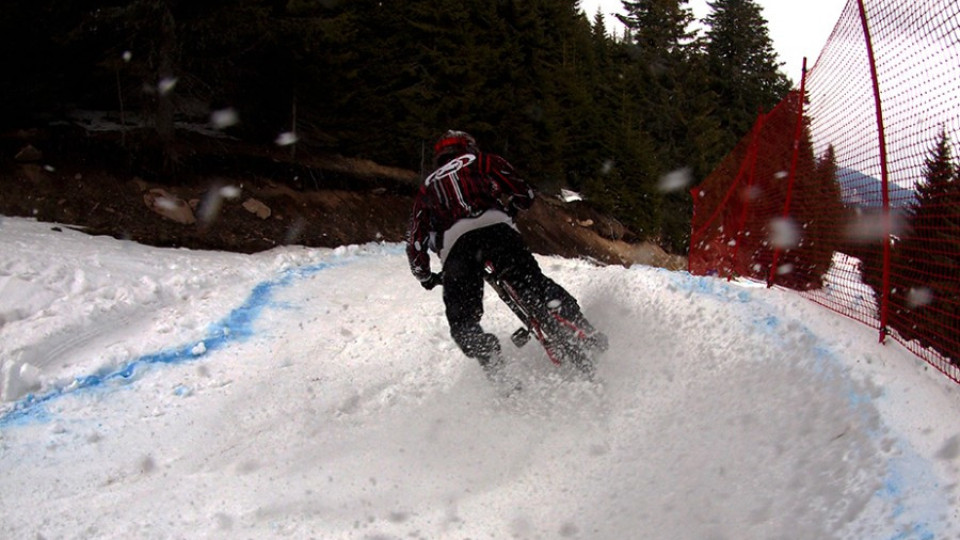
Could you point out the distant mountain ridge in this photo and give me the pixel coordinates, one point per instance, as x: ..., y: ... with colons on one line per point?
x: 858, y: 189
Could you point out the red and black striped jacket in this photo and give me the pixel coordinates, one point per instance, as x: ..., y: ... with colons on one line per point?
x: 470, y: 191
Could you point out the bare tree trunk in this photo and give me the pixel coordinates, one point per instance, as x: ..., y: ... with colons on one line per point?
x: 166, y: 65
x: 293, y: 128
x: 123, y: 120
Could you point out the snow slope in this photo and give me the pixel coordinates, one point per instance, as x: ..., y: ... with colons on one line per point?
x: 315, y: 393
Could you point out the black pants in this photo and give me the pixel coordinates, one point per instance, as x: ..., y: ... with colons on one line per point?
x: 463, y: 285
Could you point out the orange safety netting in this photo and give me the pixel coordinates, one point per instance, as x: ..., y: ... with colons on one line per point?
x: 851, y: 195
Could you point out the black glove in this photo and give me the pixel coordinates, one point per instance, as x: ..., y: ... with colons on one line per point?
x: 432, y: 281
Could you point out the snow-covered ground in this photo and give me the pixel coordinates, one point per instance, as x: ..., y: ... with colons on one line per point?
x: 315, y: 393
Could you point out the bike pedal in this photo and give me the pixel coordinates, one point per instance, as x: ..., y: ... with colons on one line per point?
x: 520, y: 337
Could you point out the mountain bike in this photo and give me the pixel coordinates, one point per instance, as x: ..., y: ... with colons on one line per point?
x: 565, y: 341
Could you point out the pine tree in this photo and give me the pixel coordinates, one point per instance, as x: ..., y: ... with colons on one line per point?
x: 804, y: 254
x: 819, y: 207
x: 34, y: 65
x: 925, y: 297
x: 673, y: 105
x: 658, y: 29
x: 150, y: 31
x: 660, y: 46
x: 745, y: 75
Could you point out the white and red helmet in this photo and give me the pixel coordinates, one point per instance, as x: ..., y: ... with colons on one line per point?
x: 454, y: 141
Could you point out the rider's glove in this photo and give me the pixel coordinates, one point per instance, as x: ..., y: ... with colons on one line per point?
x: 511, y: 208
x: 432, y: 281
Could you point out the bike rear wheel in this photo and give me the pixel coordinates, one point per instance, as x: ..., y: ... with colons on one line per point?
x: 565, y: 342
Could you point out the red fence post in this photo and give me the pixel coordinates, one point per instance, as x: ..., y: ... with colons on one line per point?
x: 884, y: 179
x: 797, y: 132
x: 697, y: 233
x: 752, y: 152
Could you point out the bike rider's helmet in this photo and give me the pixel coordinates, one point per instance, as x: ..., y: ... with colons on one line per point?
x: 451, y: 144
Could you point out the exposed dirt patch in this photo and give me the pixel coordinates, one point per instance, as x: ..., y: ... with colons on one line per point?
x: 246, y: 199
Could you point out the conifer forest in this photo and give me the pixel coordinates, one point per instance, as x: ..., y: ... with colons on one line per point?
x: 570, y: 103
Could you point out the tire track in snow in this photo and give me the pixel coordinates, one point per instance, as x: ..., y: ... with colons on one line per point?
x: 236, y: 327
x: 897, y: 495
x: 911, y: 506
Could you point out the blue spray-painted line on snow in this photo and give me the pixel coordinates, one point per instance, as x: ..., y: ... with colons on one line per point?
x: 895, y: 484
x: 236, y: 327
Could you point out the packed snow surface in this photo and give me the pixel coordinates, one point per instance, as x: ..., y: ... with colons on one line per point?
x: 160, y: 393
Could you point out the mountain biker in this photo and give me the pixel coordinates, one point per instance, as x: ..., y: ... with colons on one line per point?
x: 464, y: 212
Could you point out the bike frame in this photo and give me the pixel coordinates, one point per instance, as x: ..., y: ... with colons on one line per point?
x: 528, y: 316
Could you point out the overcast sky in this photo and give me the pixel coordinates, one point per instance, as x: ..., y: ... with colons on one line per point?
x: 797, y: 29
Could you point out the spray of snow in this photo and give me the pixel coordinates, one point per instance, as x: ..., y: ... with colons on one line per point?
x: 677, y: 180
x: 286, y: 138
x: 784, y: 233
x: 224, y: 118
x: 166, y: 85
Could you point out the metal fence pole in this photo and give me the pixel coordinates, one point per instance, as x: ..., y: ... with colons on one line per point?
x: 884, y: 179
x: 797, y: 133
